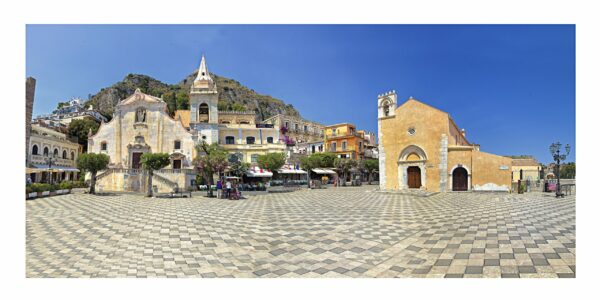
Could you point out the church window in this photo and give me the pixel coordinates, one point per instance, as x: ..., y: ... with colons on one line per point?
x: 203, y: 114
x: 64, y: 156
x: 45, y: 151
x: 270, y: 140
x: 140, y: 115
x: 250, y: 140
x: 229, y: 140
x: 103, y: 146
x: 386, y: 108
x: 34, y: 150
x: 177, y: 145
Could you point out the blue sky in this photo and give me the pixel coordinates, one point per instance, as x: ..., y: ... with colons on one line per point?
x: 512, y: 87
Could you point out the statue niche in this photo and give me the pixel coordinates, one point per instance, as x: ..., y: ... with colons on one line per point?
x: 140, y: 115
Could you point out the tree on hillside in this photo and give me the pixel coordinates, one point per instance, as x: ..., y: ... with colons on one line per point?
x: 169, y: 98
x: 271, y: 161
x: 183, y: 101
x: 370, y: 165
x: 344, y: 165
x: 80, y: 129
x: 152, y: 162
x: 92, y: 162
x: 211, y: 159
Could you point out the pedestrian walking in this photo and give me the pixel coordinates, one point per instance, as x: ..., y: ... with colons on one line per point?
x: 219, y: 189
x: 228, y: 187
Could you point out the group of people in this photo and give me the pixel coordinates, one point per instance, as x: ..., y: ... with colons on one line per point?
x: 226, y: 189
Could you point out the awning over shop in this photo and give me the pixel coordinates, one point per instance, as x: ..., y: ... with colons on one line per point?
x: 258, y: 172
x: 323, y: 171
x: 68, y: 169
x: 33, y: 170
x: 291, y: 171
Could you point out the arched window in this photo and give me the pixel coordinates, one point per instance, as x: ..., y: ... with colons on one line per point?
x: 55, y: 152
x: 386, y: 109
x: 64, y: 156
x: 225, y: 122
x: 140, y: 115
x: 34, y: 150
x: 229, y: 140
x: 177, y: 145
x: 72, y: 155
x: 203, y: 114
x: 45, y: 151
x: 270, y: 140
x: 244, y: 122
x: 103, y: 146
x: 250, y: 140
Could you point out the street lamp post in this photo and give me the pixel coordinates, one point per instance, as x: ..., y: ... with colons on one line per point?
x: 49, y: 160
x: 555, y: 152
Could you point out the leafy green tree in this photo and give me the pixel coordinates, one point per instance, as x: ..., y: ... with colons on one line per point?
x: 80, y: 130
x: 222, y: 106
x: 327, y: 159
x: 370, y: 165
x: 153, y: 162
x: 183, y: 100
x: 237, y: 107
x: 211, y: 159
x: 317, y: 160
x: 271, y: 161
x: 236, y: 166
x: 567, y: 171
x: 169, y: 98
x: 92, y: 162
x: 344, y: 165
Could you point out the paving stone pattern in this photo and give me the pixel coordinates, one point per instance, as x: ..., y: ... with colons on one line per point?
x: 343, y: 232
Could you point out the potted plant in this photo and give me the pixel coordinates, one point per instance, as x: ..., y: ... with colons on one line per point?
x: 30, y: 192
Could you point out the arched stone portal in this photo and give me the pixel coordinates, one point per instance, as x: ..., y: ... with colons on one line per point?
x: 459, y: 178
x: 411, y: 168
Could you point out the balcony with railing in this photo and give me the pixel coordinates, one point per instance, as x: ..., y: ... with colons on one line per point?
x: 41, y: 160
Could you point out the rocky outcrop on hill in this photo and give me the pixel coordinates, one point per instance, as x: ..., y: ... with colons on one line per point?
x: 232, y: 95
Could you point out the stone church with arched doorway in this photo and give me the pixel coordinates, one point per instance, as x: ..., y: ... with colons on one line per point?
x: 420, y: 147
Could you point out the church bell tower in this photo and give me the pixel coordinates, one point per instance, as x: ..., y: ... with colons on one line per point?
x: 204, y: 97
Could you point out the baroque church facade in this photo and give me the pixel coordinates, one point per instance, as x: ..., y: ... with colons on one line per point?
x: 421, y: 147
x: 141, y: 124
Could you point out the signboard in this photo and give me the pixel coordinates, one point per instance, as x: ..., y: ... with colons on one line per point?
x: 503, y: 167
x: 264, y: 125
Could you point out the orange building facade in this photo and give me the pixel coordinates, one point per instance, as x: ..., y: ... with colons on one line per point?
x: 345, y: 141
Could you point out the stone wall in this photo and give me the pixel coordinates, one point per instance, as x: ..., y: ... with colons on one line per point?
x: 491, y: 172
x: 29, y: 98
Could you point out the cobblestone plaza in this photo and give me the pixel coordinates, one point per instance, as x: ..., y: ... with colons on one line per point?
x: 335, y: 232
